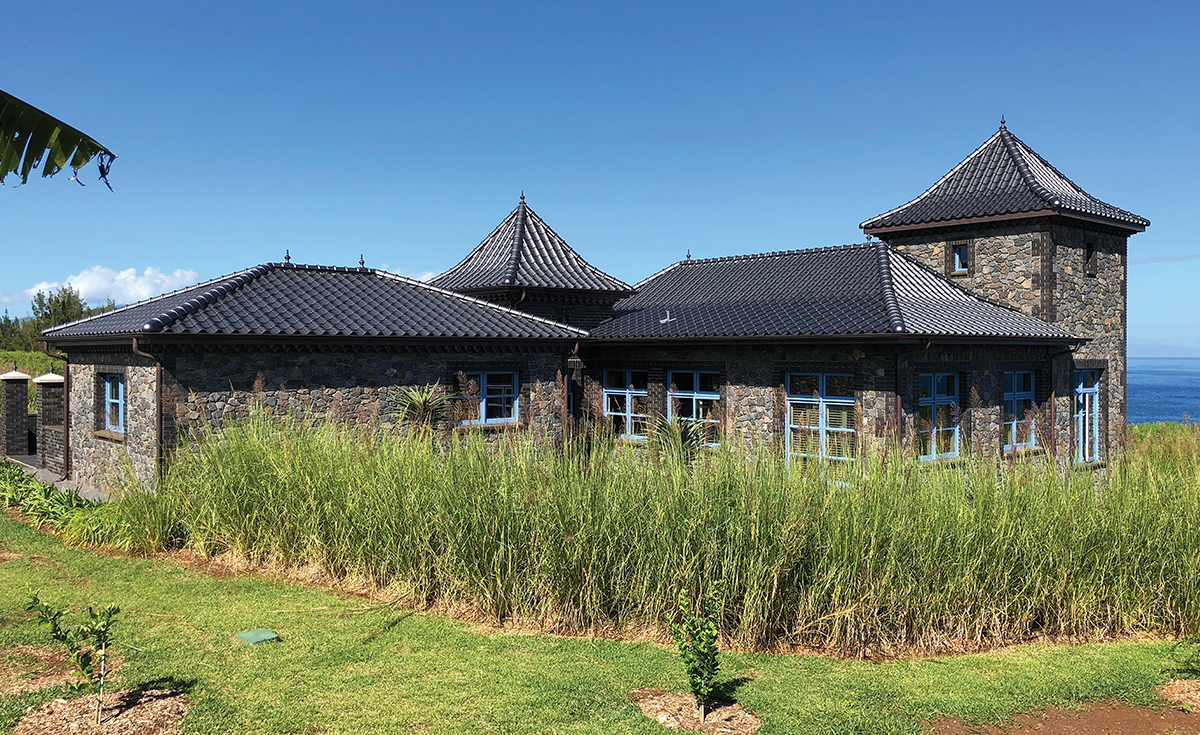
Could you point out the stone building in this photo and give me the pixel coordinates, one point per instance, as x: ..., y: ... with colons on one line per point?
x: 989, y: 316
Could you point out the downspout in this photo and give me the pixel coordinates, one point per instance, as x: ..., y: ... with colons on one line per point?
x: 158, y: 395
x: 66, y: 407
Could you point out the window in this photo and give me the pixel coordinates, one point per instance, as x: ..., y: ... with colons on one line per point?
x: 1018, y: 420
x: 695, y: 397
x: 962, y: 257
x: 626, y: 397
x: 937, y: 415
x: 114, y: 402
x: 1091, y: 259
x: 489, y: 398
x: 1087, y: 415
x: 821, y: 416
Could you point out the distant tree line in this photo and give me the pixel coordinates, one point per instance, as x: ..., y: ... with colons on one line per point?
x: 49, y: 309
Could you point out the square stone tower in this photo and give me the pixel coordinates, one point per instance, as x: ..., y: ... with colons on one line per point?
x: 1006, y: 225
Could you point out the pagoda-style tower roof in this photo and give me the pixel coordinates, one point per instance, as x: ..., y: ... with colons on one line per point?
x: 524, y: 253
x: 1003, y: 179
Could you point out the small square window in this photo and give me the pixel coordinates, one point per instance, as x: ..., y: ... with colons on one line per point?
x: 1091, y: 260
x: 962, y: 258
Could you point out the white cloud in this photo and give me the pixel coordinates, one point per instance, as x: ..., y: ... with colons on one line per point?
x: 418, y: 276
x: 98, y: 284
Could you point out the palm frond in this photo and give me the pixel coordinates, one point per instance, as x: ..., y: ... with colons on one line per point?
x: 30, y: 138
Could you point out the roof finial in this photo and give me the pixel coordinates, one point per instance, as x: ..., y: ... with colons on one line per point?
x: 361, y: 263
x: 287, y: 256
x: 522, y: 196
x: 1002, y: 123
x: 689, y: 254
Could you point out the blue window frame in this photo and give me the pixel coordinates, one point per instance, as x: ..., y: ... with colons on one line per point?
x: 626, y: 402
x: 1087, y: 415
x: 695, y: 397
x: 962, y: 257
x: 114, y: 402
x: 937, y: 415
x: 821, y: 422
x: 489, y: 398
x: 1018, y: 429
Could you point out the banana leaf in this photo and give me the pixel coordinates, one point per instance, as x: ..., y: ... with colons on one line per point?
x: 30, y: 138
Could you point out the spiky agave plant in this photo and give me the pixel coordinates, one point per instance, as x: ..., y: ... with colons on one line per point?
x: 422, y: 406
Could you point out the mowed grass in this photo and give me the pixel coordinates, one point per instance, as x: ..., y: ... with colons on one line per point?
x: 391, y: 671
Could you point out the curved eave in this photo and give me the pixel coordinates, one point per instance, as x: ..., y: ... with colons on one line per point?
x: 1120, y: 224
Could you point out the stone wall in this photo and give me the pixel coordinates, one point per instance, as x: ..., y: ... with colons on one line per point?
x: 1039, y: 266
x: 753, y: 395
x: 211, y: 386
x: 97, y: 456
x: 14, y: 408
x: 50, y: 443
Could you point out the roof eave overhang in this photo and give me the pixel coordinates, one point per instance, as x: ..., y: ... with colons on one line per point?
x: 594, y: 293
x: 150, y: 339
x: 1131, y: 227
x: 901, y: 338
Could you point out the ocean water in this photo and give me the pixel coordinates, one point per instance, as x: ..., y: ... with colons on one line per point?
x: 1163, y: 389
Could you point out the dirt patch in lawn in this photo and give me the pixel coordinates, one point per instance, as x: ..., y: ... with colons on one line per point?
x: 1094, y: 718
x: 150, y: 712
x: 1182, y: 691
x: 9, y: 556
x: 29, y: 668
x: 678, y: 712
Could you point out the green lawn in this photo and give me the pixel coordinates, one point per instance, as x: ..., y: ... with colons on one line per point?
x: 388, y: 672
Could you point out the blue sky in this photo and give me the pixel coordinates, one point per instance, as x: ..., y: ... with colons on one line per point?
x: 405, y: 132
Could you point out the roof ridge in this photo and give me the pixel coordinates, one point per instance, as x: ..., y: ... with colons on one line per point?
x: 1011, y: 142
x: 768, y: 254
x: 473, y: 300
x: 962, y: 289
x: 890, y: 302
x: 514, y: 263
x: 126, y: 307
x: 191, y: 306
x: 475, y: 249
x: 584, y: 261
x: 867, y: 223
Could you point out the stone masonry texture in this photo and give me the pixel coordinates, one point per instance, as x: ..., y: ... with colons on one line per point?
x: 97, y: 458
x: 1040, y: 267
x: 50, y: 427
x: 209, y: 387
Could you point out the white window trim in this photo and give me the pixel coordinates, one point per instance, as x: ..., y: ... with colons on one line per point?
x: 629, y: 393
x: 483, y: 397
x: 1018, y: 395
x: 934, y: 401
x: 692, y: 395
x: 822, y: 402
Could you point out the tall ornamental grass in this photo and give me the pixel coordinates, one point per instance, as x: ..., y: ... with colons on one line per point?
x: 600, y: 534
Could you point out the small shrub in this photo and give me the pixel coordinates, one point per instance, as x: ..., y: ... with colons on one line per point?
x: 82, y: 642
x: 422, y: 406
x: 696, y: 638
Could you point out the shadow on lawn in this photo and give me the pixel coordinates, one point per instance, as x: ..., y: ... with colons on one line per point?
x: 1185, y: 659
x: 725, y: 693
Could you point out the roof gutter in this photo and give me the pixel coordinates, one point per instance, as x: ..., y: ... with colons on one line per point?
x: 66, y: 407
